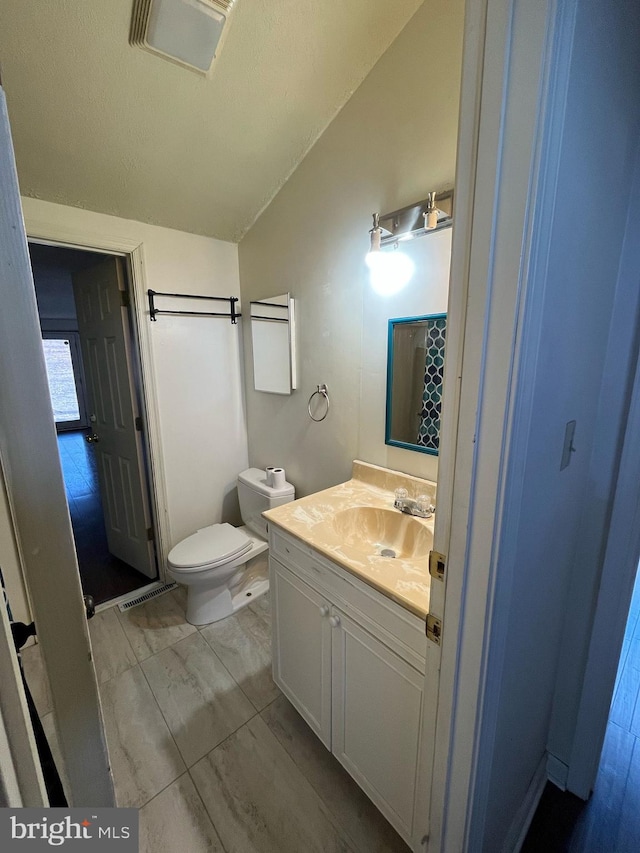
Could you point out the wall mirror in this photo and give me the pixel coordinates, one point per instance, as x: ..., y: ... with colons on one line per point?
x: 273, y: 341
x: 415, y: 367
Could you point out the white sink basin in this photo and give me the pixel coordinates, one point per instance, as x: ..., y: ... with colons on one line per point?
x: 383, y: 532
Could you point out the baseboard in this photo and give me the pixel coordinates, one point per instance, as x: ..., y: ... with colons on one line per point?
x: 520, y: 825
x: 558, y: 772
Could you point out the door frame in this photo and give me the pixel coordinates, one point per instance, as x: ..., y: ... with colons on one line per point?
x: 50, y: 232
x: 511, y: 112
x: 39, y: 517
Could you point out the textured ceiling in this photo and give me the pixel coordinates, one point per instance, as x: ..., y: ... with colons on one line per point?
x: 102, y: 125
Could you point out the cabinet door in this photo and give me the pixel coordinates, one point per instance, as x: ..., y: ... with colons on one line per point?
x: 302, y: 648
x: 377, y: 704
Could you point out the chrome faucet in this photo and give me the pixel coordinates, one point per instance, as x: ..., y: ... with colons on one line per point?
x: 420, y: 507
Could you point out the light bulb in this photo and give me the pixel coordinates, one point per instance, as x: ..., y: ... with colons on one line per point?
x: 376, y: 242
x: 389, y: 271
x: 431, y: 215
x: 431, y: 220
x: 372, y: 259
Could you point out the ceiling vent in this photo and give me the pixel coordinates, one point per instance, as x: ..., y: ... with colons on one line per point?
x: 189, y: 32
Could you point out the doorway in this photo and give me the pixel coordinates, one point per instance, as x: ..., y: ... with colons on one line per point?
x: 93, y: 368
x: 610, y: 818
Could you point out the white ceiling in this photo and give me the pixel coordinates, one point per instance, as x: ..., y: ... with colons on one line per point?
x: 102, y: 125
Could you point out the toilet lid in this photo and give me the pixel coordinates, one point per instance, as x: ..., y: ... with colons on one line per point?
x: 210, y: 546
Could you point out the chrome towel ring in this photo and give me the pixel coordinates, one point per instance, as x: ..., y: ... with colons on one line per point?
x: 322, y: 391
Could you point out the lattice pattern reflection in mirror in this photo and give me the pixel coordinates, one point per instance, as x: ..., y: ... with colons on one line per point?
x: 429, y: 429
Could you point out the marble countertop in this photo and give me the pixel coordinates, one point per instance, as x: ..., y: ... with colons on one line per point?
x: 311, y: 519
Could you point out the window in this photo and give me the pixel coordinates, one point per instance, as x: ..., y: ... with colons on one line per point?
x: 64, y: 372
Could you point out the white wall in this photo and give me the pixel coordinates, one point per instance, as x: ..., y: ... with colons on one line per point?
x: 546, y: 580
x: 394, y: 141
x: 195, y: 361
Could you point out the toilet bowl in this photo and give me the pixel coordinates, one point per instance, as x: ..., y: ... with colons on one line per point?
x: 223, y: 567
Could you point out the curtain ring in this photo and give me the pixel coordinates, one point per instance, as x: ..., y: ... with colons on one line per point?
x: 322, y: 391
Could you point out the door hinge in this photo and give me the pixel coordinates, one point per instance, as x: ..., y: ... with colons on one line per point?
x: 434, y: 629
x: 437, y: 564
x: 150, y: 534
x: 124, y: 298
x: 138, y: 424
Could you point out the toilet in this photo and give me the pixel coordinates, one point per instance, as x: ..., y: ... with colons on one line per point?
x: 223, y: 567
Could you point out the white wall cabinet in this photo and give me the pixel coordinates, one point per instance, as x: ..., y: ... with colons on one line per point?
x: 352, y: 662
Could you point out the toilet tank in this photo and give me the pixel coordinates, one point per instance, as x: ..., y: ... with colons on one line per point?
x: 256, y: 496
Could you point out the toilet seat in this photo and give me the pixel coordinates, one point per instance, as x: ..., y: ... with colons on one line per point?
x: 209, y: 547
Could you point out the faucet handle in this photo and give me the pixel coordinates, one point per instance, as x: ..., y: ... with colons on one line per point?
x: 424, y: 505
x: 401, y: 496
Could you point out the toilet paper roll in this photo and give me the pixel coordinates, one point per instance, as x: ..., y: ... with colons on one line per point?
x: 269, y: 472
x: 279, y: 478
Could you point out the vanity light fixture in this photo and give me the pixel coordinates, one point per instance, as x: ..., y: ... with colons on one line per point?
x: 187, y: 32
x: 423, y: 217
x: 390, y: 269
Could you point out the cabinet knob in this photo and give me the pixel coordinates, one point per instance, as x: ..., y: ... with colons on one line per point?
x: 334, y: 621
x: 324, y: 610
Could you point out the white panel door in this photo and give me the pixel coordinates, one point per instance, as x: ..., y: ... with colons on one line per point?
x: 102, y: 322
x: 376, y: 716
x: 302, y: 648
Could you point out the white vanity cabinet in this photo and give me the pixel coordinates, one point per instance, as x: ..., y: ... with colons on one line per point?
x: 352, y: 662
x: 302, y: 648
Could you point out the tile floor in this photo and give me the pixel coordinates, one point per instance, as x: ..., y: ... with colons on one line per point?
x: 103, y: 576
x: 202, y: 741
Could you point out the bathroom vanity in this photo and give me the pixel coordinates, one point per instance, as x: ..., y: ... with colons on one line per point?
x: 349, y: 644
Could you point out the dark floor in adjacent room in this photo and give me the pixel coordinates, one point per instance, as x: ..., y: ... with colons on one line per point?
x: 103, y: 576
x: 610, y: 821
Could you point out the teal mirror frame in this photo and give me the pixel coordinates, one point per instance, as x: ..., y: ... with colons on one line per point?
x: 428, y: 429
